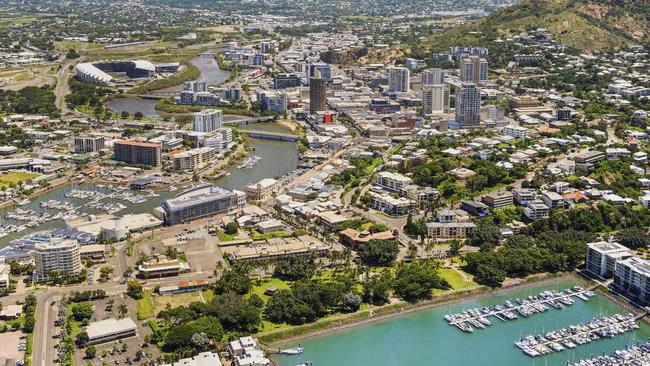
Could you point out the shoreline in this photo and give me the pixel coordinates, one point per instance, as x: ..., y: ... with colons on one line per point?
x: 406, y: 308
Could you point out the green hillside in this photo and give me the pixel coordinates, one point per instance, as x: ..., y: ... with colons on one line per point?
x: 586, y: 25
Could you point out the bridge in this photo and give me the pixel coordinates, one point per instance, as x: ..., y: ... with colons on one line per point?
x: 247, y: 121
x: 158, y: 95
x: 269, y: 135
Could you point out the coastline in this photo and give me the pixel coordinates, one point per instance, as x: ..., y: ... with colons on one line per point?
x: 403, y: 308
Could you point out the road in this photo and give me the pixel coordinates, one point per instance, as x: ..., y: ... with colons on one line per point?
x: 62, y: 88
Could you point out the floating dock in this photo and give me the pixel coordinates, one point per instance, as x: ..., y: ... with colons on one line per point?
x: 579, y: 334
x: 478, y: 318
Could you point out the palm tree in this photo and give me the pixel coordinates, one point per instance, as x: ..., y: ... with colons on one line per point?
x: 123, y: 310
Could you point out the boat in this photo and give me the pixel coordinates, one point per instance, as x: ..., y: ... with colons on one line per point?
x: 308, y: 363
x: 292, y: 351
x: 22, y: 202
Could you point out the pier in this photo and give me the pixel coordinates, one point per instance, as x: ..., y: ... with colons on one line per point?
x: 526, y: 307
x: 635, y: 355
x: 558, y: 341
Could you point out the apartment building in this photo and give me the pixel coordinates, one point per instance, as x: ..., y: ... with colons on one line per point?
x: 602, y: 257
x: 56, y: 255
x: 137, y: 152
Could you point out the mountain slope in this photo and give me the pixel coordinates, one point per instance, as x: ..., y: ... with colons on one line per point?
x: 586, y: 25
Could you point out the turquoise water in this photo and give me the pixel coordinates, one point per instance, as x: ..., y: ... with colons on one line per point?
x: 425, y: 338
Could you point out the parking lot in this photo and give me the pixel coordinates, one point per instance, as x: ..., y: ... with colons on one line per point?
x: 12, y: 346
x: 124, y: 351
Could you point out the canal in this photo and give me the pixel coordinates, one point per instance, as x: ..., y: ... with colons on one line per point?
x: 425, y: 338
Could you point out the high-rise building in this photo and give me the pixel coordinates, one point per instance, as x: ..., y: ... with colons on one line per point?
x: 88, y: 144
x: 195, y: 86
x: 632, y: 279
x: 468, y: 105
x: 319, y: 68
x: 399, y: 79
x: 473, y: 69
x: 136, y: 152
x: 207, y: 120
x: 435, y: 99
x: 273, y: 101
x: 602, y: 257
x: 56, y: 255
x: 433, y: 76
x: 317, y: 91
x: 283, y: 81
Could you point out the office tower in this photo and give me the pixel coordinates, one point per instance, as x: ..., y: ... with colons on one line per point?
x: 207, y: 120
x: 399, y: 79
x: 468, y: 105
x: 323, y: 69
x: 56, y: 255
x: 435, y: 99
x: 137, y: 152
x: 317, y: 90
x: 433, y: 76
x: 473, y: 69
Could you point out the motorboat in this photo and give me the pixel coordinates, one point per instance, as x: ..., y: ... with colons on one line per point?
x: 292, y: 351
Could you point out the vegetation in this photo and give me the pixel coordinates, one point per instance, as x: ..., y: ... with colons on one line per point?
x: 29, y: 100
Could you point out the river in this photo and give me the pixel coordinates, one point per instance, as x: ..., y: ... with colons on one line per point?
x: 425, y: 338
x: 210, y: 73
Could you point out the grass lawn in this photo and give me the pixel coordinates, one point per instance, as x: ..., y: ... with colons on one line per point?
x: 144, y: 306
x: 160, y: 302
x: 455, y: 279
x: 276, y: 234
x: 274, y: 282
x: 208, y: 295
x: 225, y: 237
x: 15, y: 178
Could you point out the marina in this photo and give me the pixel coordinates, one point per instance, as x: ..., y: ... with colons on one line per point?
x: 418, y: 338
x: 577, y: 335
x: 634, y: 355
x: 478, y: 318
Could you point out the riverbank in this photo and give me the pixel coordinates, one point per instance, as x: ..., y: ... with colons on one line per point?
x: 327, y: 326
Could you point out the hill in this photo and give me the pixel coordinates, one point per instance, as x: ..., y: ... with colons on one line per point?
x: 587, y: 25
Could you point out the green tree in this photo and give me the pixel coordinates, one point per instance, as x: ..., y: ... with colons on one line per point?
x: 377, y: 287
x: 416, y: 280
x: 634, y: 238
x: 231, y: 228
x: 234, y: 312
x: 134, y: 289
x: 90, y: 352
x: 378, y: 252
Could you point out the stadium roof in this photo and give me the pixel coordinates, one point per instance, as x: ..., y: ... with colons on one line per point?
x: 91, y: 70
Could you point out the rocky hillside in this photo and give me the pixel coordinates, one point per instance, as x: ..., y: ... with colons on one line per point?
x: 587, y: 25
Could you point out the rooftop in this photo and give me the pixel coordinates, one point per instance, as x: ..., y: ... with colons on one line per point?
x: 109, y: 326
